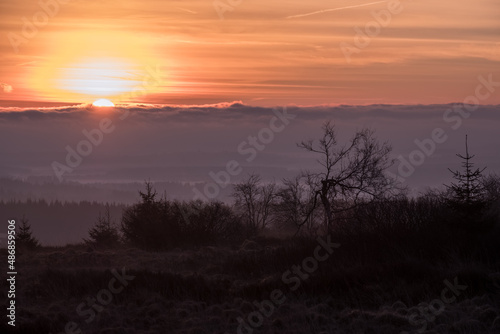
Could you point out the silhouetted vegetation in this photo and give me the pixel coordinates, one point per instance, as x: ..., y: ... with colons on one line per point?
x: 105, y: 232
x: 58, y: 222
x: 352, y: 173
x: 467, y: 197
x: 24, y: 236
x: 204, y: 223
x: 356, y: 198
x: 255, y: 201
x: 157, y: 224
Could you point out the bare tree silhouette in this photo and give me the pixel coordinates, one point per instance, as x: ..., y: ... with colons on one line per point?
x: 255, y: 201
x: 351, y: 173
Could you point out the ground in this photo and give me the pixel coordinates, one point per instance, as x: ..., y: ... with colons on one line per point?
x: 251, y: 287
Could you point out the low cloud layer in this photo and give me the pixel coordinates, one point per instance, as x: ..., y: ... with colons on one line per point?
x: 184, y: 143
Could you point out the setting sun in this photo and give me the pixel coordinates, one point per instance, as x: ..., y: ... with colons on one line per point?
x: 90, y: 64
x: 103, y: 103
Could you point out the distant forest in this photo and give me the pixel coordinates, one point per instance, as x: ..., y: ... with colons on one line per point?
x: 352, y: 195
x: 49, y: 189
x: 58, y: 223
x: 62, y: 213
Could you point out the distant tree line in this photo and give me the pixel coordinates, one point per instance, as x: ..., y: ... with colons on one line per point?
x: 55, y: 222
x: 350, y: 193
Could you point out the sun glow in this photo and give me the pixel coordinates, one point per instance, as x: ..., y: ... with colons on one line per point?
x: 103, y: 103
x: 84, y: 66
x: 99, y: 76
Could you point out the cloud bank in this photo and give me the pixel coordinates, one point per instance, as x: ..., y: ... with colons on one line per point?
x: 185, y: 142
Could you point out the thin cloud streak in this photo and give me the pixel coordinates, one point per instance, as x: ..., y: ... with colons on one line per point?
x: 333, y: 10
x: 187, y: 10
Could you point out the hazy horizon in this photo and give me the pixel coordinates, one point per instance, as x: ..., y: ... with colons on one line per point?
x: 186, y: 143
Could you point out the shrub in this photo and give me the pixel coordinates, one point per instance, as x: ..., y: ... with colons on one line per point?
x: 25, y: 238
x: 105, y: 232
x: 159, y: 224
x: 150, y: 224
x: 210, y: 222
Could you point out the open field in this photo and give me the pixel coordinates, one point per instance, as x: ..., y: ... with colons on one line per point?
x: 366, y: 285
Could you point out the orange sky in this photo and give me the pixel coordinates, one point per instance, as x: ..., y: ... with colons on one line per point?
x: 261, y: 52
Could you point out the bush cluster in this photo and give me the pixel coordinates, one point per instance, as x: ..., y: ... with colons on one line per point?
x: 157, y: 224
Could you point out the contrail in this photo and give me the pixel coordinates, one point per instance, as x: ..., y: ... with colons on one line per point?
x: 334, y: 9
x: 187, y: 10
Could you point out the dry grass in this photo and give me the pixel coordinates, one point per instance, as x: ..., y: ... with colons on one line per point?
x: 363, y: 287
